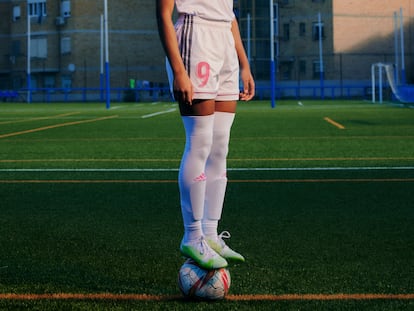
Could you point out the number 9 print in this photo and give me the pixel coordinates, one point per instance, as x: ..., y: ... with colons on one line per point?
x: 203, y: 73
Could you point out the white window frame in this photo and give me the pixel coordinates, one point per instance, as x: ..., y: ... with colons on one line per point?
x: 38, y: 47
x: 316, y: 28
x: 36, y: 8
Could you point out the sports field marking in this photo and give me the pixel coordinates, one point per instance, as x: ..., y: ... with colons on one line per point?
x: 158, y: 113
x: 334, y: 123
x: 323, y: 159
x: 144, y: 297
x: 180, y: 139
x: 40, y: 118
x: 238, y: 169
x: 375, y: 137
x: 323, y: 180
x: 116, y: 107
x: 159, y: 181
x: 229, y: 160
x: 321, y: 297
x: 88, y: 160
x: 56, y: 126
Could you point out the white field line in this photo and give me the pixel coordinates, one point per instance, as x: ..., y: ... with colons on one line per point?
x: 247, y: 169
x: 158, y: 113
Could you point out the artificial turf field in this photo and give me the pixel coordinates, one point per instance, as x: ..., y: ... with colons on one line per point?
x: 320, y: 201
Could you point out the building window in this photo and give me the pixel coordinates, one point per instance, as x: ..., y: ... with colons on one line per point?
x: 286, y: 32
x: 16, y: 13
x: 316, y: 29
x: 286, y: 70
x: 66, y: 83
x: 17, y: 83
x: 65, y: 45
x: 302, y: 67
x: 50, y: 82
x: 37, y: 8
x: 16, y: 48
x: 317, y: 69
x: 33, y: 83
x: 38, y: 47
x: 302, y: 29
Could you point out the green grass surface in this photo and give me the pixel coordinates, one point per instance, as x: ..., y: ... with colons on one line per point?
x: 89, y: 204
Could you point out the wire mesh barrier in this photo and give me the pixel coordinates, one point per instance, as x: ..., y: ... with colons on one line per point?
x: 321, y: 49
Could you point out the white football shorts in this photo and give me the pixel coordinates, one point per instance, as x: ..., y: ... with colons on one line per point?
x: 209, y: 55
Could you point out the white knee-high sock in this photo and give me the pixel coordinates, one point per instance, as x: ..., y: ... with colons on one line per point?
x: 216, y: 173
x: 192, y: 178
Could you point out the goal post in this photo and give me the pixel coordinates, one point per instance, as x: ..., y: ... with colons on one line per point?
x: 403, y: 93
x: 377, y: 72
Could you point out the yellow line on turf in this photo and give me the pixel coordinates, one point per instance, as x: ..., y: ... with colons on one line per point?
x: 56, y: 126
x: 338, y: 125
x: 40, y: 118
x: 144, y: 297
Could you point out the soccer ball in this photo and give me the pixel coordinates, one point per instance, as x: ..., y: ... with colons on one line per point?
x: 198, y: 283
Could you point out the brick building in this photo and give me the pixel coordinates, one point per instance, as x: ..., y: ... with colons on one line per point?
x: 365, y: 30
x: 355, y: 35
x: 66, y: 41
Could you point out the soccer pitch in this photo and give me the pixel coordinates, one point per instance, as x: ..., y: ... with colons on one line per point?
x: 320, y: 202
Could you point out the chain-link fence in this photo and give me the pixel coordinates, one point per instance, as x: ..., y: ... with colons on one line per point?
x: 351, y: 43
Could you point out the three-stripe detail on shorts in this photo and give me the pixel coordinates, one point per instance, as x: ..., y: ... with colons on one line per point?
x: 186, y: 41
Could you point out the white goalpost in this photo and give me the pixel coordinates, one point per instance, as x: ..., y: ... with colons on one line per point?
x: 394, y: 73
x: 404, y: 93
x: 377, y: 71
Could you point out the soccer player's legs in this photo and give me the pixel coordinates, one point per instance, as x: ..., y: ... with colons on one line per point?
x: 216, y: 173
x: 192, y: 184
x: 216, y: 183
x: 216, y: 168
x: 204, y: 69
